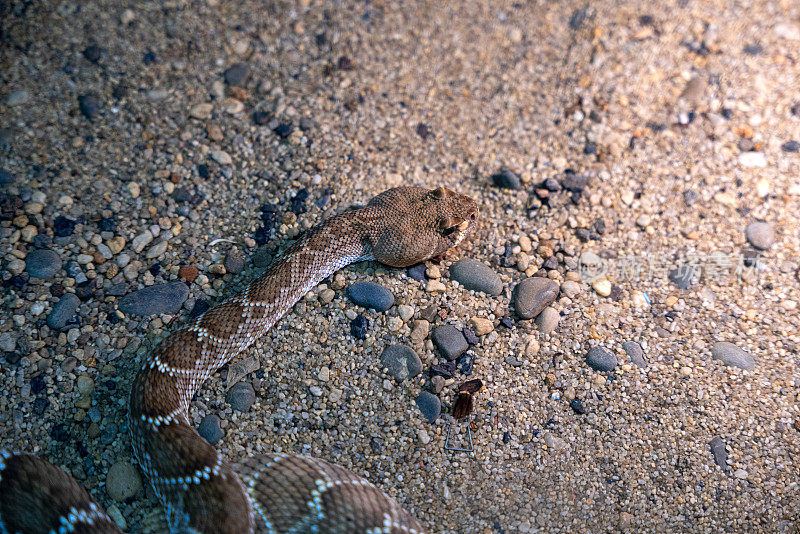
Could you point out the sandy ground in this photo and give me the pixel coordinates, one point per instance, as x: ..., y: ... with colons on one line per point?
x: 676, y: 116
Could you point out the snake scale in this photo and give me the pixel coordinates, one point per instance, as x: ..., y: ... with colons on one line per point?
x: 199, y: 490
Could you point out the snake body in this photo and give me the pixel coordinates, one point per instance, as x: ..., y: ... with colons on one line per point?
x: 199, y: 490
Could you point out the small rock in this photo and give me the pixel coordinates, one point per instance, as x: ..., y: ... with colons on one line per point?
x: 241, y: 396
x: 370, y: 295
x: 436, y: 384
x: 401, y: 361
x: 506, y: 179
x: 210, y: 429
x: 513, y: 361
x: 577, y: 406
x: 547, y: 321
x: 602, y: 286
x: 600, y: 359
x: 201, y: 111
x: 221, y: 157
x: 694, y: 90
x: 155, y: 300
x: 123, y: 481
x: 635, y: 353
x: 752, y: 159
x: 234, y: 261
x: 684, y: 276
x: 16, y: 98
x: 42, y: 263
x: 732, y: 356
x: 450, y: 341
x: 791, y: 146
x: 405, y: 312
x: 141, y: 241
x: 189, y: 273
x: 477, y: 276
x: 241, y: 368
x: 570, y: 289
x: 63, y: 311
x: 417, y: 272
x: 533, y: 295
x: 359, y: 327
x: 89, y: 106
x: 236, y: 75
x: 760, y: 235
x: 481, y: 325
x: 434, y: 286
x: 430, y: 405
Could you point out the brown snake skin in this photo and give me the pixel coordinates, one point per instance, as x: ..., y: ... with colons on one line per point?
x: 199, y: 490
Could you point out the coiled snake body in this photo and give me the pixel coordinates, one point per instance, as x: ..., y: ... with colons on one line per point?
x: 199, y: 490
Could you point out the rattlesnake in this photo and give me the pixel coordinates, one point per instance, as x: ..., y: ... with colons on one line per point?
x: 199, y: 490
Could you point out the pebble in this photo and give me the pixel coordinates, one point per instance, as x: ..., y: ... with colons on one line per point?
x: 16, y: 98
x: 417, y: 272
x: 370, y: 295
x: 316, y: 391
x: 401, y: 361
x: 791, y: 146
x: 601, y: 359
x: 201, y: 111
x: 141, y: 241
x: 533, y: 295
x: 63, y: 311
x: 635, y: 353
x: 732, y: 356
x: 236, y: 75
x: 430, y: 405
x: 481, y: 326
x: 359, y: 327
x: 134, y: 189
x: 89, y: 106
x: 547, y: 321
x: 221, y: 157
x: 477, y: 276
x: 210, y: 429
x: 506, y: 179
x: 683, y: 277
x: 436, y: 384
x: 189, y: 273
x: 434, y: 286
x: 760, y: 235
x: 241, y: 396
x: 602, y: 286
x: 234, y: 261
x: 42, y: 263
x: 570, y: 289
x: 123, y: 481
x: 405, y: 312
x: 752, y: 159
x: 450, y: 341
x: 157, y: 250
x: 155, y: 300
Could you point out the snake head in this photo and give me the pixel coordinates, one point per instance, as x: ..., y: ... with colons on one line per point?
x: 423, y: 224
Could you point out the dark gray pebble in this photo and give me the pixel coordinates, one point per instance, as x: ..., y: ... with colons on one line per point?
x: 236, y: 74
x: 430, y: 405
x: 401, y: 361
x: 791, y: 146
x: 533, y: 295
x: 506, y: 179
x: 63, y: 311
x: 370, y: 295
x: 450, y: 341
x: 477, y: 276
x: 234, y: 261
x: 359, y: 327
x: 417, y: 272
x: 89, y: 106
x: 732, y: 356
x: 42, y: 264
x: 720, y: 453
x: 117, y: 290
x: 241, y: 396
x: 635, y: 353
x: 155, y: 300
x: 209, y: 428
x: 601, y: 359
x: 684, y: 276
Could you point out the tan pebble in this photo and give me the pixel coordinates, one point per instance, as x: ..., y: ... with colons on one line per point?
x: 525, y: 243
x: 434, y: 286
x: 481, y: 326
x: 233, y: 106
x: 15, y: 266
x: 116, y: 244
x: 326, y: 295
x: 217, y: 268
x: 523, y: 262
x: 532, y: 346
x: 602, y: 286
x: 599, y: 380
x: 201, y: 111
x: 727, y: 199
x: 33, y: 208
x: 433, y: 272
x: 639, y: 300
x: 762, y: 187
x: 394, y: 324
x: 642, y: 220
x: 627, y: 197
x: 420, y: 331
x: 625, y: 520
x: 289, y: 218
x: 134, y: 189
x: 670, y: 301
x: 20, y: 221
x: 28, y: 233
x: 686, y: 371
x: 338, y: 281
x: 405, y: 312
